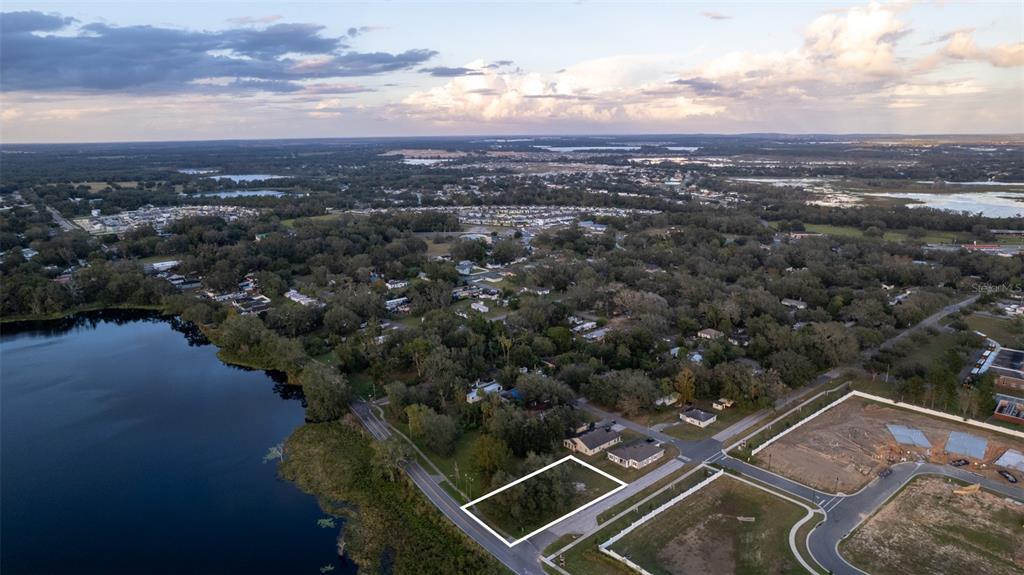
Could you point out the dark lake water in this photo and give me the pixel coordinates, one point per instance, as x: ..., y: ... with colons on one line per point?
x: 126, y: 446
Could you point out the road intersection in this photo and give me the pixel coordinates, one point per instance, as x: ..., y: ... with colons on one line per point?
x: 843, y: 513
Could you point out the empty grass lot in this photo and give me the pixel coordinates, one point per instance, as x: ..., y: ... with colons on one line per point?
x: 1004, y: 330
x: 726, y: 527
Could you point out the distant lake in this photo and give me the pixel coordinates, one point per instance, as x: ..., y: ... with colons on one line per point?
x: 247, y: 177
x: 244, y: 194
x: 590, y: 148
x: 990, y: 204
x: 978, y: 183
x: 424, y: 161
x: 128, y: 447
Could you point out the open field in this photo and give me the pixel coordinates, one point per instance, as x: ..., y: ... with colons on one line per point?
x: 1003, y: 330
x: 726, y: 527
x: 516, y: 511
x: 843, y: 448
x: 927, y: 529
x: 929, y: 237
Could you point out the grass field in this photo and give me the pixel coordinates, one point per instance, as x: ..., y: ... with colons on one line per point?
x: 456, y: 467
x: 931, y: 348
x: 726, y: 527
x: 926, y: 529
x: 1003, y: 330
x: 290, y: 223
x: 585, y: 558
x: 931, y: 236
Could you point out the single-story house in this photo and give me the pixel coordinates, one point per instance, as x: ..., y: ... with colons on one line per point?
x: 794, y: 303
x: 480, y: 306
x: 722, y: 404
x: 483, y: 389
x: 710, y: 333
x: 465, y: 267
x: 698, y: 417
x: 593, y: 441
x: 636, y: 455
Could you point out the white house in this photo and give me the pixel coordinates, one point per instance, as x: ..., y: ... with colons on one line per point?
x: 710, y: 333
x: 481, y: 390
x: 480, y: 307
x: 698, y: 417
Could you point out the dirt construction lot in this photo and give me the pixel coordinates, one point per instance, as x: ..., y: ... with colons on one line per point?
x: 726, y: 527
x: 852, y: 443
x: 927, y: 529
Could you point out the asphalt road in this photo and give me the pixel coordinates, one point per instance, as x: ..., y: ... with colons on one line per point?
x: 843, y: 513
x: 523, y: 558
x: 850, y: 511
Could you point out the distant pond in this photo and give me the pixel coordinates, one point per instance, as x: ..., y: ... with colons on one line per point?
x: 989, y: 204
x: 128, y: 447
x: 244, y: 194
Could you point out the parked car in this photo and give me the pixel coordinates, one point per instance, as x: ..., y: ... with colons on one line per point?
x: 958, y: 462
x: 885, y: 472
x: 1008, y: 476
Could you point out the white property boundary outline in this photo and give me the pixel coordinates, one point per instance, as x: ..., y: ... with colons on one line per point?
x: 894, y: 403
x: 606, y: 546
x: 622, y: 485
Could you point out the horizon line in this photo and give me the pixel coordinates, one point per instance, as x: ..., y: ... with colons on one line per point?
x: 525, y: 135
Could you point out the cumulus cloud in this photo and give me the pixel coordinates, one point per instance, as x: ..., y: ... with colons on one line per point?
x: 604, y: 90
x: 961, y: 46
x: 102, y: 57
x: 844, y: 54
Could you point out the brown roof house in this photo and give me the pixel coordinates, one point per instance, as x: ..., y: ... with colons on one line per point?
x: 636, y: 455
x: 593, y: 441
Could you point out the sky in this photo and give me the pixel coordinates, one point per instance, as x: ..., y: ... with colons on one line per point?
x: 188, y: 70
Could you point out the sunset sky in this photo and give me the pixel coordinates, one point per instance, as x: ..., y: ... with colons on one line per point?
x: 106, y: 71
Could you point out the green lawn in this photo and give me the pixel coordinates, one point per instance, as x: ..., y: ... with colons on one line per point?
x: 930, y: 349
x: 290, y: 223
x: 684, y: 430
x: 467, y: 480
x: 1008, y: 332
x: 704, y: 533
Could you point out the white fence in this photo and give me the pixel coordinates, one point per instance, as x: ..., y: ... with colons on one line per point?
x: 604, y: 547
x: 894, y: 403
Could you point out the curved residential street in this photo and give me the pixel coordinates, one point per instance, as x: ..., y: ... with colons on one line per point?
x: 843, y: 513
x: 850, y: 511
